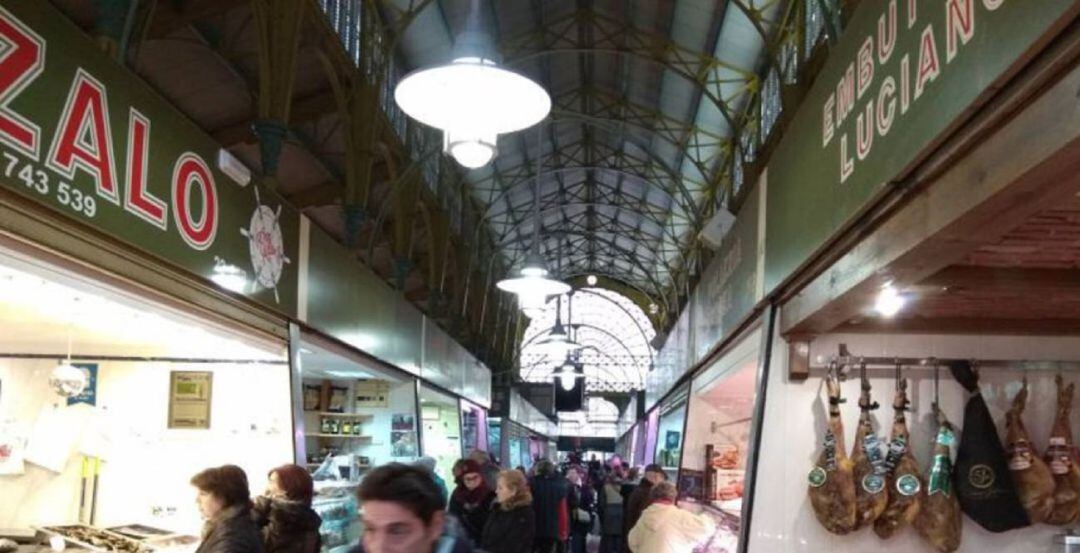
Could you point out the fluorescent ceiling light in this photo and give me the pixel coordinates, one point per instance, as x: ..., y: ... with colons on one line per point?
x: 889, y: 301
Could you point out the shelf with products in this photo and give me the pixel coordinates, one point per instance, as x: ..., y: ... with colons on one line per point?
x: 358, y: 416
x: 367, y: 439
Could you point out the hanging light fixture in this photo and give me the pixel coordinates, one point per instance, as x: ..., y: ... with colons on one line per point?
x: 532, y: 285
x: 558, y: 344
x: 568, y: 374
x: 471, y: 99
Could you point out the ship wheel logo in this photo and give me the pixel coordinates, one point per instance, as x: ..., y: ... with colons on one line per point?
x: 981, y: 476
x: 266, y: 246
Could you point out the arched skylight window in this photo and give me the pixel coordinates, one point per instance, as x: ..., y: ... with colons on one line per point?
x: 614, y: 331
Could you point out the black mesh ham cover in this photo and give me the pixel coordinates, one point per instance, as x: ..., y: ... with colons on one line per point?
x: 984, y: 485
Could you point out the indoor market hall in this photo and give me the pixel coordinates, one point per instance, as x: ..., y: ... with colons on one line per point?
x: 539, y: 276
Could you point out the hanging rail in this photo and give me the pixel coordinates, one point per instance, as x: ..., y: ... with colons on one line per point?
x: 846, y: 361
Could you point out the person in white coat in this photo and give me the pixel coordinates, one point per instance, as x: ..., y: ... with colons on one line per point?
x: 665, y: 528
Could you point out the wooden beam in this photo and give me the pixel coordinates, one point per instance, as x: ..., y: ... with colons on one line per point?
x: 170, y: 16
x: 964, y: 325
x: 993, y: 280
x: 1030, y: 163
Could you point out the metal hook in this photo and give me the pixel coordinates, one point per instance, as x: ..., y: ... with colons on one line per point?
x: 896, y: 373
x: 937, y: 384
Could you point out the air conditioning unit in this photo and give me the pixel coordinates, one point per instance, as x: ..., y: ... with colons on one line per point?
x: 717, y: 228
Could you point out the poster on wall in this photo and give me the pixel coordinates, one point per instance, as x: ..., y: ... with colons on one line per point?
x: 372, y: 393
x: 189, y: 399
x: 339, y: 395
x: 89, y: 393
x: 312, y: 397
x: 403, y: 421
x: 403, y: 443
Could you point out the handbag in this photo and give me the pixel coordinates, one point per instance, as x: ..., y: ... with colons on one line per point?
x: 581, y: 516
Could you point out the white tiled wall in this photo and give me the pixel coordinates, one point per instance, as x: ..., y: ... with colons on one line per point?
x: 783, y: 521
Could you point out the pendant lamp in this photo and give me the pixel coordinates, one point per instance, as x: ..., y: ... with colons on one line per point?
x: 472, y: 99
x: 532, y: 285
x: 558, y: 344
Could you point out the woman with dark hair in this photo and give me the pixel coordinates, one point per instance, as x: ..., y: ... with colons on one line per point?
x: 284, y: 513
x: 511, y: 525
x: 225, y: 504
x: 471, y: 501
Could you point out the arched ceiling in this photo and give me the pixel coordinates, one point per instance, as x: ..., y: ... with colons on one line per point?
x: 647, y: 99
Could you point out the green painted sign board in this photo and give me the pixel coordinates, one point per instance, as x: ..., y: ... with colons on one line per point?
x: 84, y: 136
x: 903, y: 73
x: 728, y: 289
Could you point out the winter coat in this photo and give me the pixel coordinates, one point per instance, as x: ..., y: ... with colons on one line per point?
x: 509, y: 530
x: 231, y: 531
x: 453, y: 540
x: 665, y: 528
x: 609, y: 505
x: 637, y: 503
x: 472, y: 510
x: 581, y: 497
x: 549, y: 492
x: 287, y: 526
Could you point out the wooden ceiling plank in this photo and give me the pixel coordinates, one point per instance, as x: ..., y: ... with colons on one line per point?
x: 1006, y: 280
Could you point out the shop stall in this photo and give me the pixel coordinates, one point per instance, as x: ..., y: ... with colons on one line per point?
x: 669, y: 431
x: 474, y: 428
x: 357, y: 414
x: 722, y: 401
x: 495, y: 440
x: 112, y: 399
x: 440, y: 415
x: 650, y: 430
x: 971, y: 264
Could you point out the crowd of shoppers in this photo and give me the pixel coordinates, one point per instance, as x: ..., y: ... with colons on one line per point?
x: 407, y: 509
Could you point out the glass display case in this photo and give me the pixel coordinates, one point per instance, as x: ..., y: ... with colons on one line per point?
x: 669, y: 433
x: 441, y: 417
x: 717, y: 442
x: 337, y: 505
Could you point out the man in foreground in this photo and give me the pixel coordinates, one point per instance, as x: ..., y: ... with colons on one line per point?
x: 404, y: 513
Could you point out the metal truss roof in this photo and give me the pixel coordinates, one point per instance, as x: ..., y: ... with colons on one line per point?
x: 638, y: 151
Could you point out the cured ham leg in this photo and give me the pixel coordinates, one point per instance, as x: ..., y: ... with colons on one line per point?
x: 1059, y: 456
x: 904, y: 481
x: 1034, y: 482
x: 832, y: 481
x: 938, y: 521
x: 871, y: 495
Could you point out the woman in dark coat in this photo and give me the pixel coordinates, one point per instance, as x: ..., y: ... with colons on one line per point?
x: 609, y: 505
x: 511, y: 525
x: 581, y: 503
x: 549, y: 491
x: 472, y: 500
x: 284, y: 514
x: 225, y: 504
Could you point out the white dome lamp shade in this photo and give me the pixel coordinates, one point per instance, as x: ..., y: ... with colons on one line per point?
x: 558, y: 344
x: 569, y: 373
x: 472, y: 100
